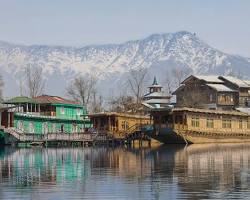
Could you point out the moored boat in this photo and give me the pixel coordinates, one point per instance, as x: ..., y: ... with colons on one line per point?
x: 192, y: 125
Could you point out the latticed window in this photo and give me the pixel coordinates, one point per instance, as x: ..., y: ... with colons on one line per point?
x: 226, y: 123
x: 210, y: 123
x: 195, y: 122
x: 248, y: 124
x: 240, y: 124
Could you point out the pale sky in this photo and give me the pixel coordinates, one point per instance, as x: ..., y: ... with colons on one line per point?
x: 224, y: 24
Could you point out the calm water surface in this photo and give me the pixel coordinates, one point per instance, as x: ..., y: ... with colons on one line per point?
x: 172, y: 172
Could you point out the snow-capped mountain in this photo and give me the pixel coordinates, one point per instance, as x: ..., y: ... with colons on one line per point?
x: 157, y: 52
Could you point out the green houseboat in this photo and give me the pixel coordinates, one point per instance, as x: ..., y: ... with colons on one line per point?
x: 43, y: 115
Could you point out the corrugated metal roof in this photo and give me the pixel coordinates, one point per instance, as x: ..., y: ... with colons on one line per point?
x: 105, y: 114
x: 209, y: 78
x: 19, y: 100
x: 46, y: 99
x: 221, y: 88
x: 224, y: 112
x: 236, y: 81
x: 206, y: 78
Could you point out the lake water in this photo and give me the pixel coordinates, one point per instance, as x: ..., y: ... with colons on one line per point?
x: 168, y: 172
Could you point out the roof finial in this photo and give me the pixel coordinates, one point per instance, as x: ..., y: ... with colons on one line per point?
x: 155, y: 81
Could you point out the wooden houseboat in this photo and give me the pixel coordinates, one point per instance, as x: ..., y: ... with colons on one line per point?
x: 118, y: 125
x: 193, y: 125
x: 42, y: 115
x: 209, y: 109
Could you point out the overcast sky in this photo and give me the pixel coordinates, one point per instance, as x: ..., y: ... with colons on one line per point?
x: 224, y: 24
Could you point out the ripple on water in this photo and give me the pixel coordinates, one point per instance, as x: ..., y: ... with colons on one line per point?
x: 167, y: 172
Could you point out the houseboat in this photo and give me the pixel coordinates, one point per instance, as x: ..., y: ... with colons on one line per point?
x: 209, y: 109
x: 42, y: 115
x: 118, y: 125
x: 193, y: 125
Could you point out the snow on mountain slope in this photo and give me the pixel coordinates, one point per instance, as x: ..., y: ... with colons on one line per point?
x: 156, y: 52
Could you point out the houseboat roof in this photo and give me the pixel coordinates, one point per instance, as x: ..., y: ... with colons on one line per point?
x: 206, y: 78
x: 106, y: 114
x: 220, y: 87
x: 239, y: 83
x: 20, y: 100
x: 207, y: 111
x: 47, y: 99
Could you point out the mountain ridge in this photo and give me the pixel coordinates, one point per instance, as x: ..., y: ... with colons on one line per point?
x: 157, y: 52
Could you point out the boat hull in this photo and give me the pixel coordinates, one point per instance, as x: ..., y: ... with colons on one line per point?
x: 170, y: 136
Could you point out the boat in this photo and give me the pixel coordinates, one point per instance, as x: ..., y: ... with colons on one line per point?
x: 36, y: 119
x: 192, y: 125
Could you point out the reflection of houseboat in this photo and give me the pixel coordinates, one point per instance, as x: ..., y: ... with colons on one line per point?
x: 43, y: 114
x: 117, y: 125
x: 209, y: 109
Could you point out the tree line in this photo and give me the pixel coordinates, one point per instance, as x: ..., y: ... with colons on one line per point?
x: 83, y: 88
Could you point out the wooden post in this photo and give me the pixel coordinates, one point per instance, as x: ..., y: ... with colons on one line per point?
x: 8, y: 119
x: 109, y: 124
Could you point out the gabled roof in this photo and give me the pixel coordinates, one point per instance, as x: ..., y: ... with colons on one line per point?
x: 20, y: 100
x: 220, y: 88
x: 206, y: 78
x: 239, y: 83
x: 46, y: 99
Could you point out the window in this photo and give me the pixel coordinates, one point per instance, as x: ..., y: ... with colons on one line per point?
x: 45, y: 128
x: 195, y: 122
x: 240, y: 124
x: 226, y: 123
x: 20, y: 126
x: 62, y: 110
x: 248, y: 124
x: 125, y: 125
x: 210, y: 123
x: 53, y: 128
x: 31, y: 127
x: 225, y: 98
x: 74, y: 128
x: 78, y: 111
x: 211, y: 97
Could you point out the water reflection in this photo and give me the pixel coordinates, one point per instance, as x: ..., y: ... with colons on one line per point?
x: 167, y: 172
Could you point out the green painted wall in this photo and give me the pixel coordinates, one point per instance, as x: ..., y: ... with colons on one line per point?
x: 69, y: 116
x: 38, y: 126
x: 69, y: 112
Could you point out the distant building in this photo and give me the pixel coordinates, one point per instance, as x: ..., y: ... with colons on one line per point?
x: 213, y: 92
x: 156, y: 98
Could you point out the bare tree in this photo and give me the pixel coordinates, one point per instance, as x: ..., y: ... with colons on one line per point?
x: 169, y: 82
x: 1, y: 87
x: 34, y: 81
x: 81, y: 88
x: 136, y: 82
x: 179, y: 74
x: 123, y: 104
x: 97, y: 103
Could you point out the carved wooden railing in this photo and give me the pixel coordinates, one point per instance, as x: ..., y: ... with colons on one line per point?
x: 84, y: 136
